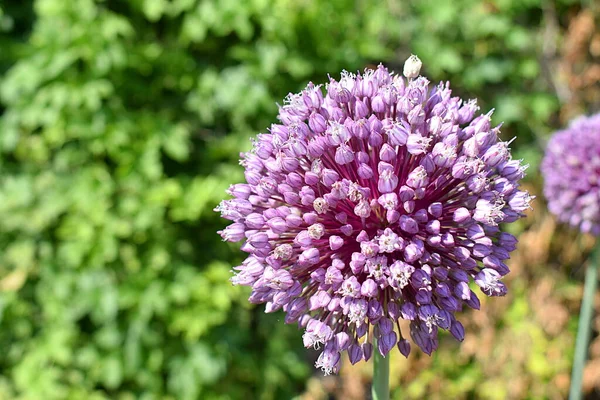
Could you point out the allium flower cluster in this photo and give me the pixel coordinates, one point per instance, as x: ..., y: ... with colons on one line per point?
x: 571, y: 169
x: 375, y: 201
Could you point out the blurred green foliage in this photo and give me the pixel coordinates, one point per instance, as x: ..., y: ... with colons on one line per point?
x: 121, y: 124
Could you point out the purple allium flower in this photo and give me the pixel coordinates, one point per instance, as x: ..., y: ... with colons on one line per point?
x: 571, y: 170
x: 375, y: 201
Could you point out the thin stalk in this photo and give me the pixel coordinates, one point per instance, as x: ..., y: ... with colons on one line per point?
x: 585, y: 319
x: 381, y: 375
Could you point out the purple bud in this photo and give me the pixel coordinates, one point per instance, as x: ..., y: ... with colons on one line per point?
x: 408, y: 311
x: 277, y: 225
x: 355, y: 353
x: 375, y: 311
x: 385, y: 326
x: 481, y: 251
x: 397, y: 134
x: 365, y: 171
x: 408, y: 225
x: 309, y: 257
x: 473, y: 302
x: 393, y: 311
x: 405, y: 193
x: 435, y: 209
x: 433, y: 227
x: 413, y: 252
x: 462, y: 253
x: 363, y: 236
x: 342, y: 340
x: 234, y: 232
x: 461, y: 215
x: 360, y: 109
x: 258, y: 239
x: 319, y: 300
x: 344, y: 154
x: 392, y: 216
x: 369, y: 288
x: 508, y: 241
x: 442, y: 289
x: 334, y: 305
x: 404, y: 347
x: 417, y: 178
x: 293, y: 220
x: 378, y: 105
x: 387, y: 153
x: 361, y: 330
x: 462, y: 291
x: 421, y: 216
x: 335, y: 242
x: 520, y: 201
x: 367, y: 349
x: 457, y: 330
x: 375, y: 140
x: 386, y: 342
x: 346, y: 229
x: 440, y: 273
x: 240, y: 190
x: 388, y: 181
x: 317, y: 123
x: 496, y: 154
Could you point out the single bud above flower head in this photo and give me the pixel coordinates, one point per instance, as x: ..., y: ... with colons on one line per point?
x: 571, y: 170
x: 377, y: 200
x: 412, y: 67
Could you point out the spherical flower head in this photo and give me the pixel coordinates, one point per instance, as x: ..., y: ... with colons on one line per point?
x: 375, y: 199
x: 571, y: 170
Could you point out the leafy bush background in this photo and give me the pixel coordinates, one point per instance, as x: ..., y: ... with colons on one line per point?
x: 120, y: 127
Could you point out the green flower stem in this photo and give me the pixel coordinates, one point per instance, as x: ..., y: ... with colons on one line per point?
x: 381, y: 375
x: 585, y: 318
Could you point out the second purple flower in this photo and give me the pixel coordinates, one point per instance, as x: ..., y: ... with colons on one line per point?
x: 375, y: 201
x: 571, y: 169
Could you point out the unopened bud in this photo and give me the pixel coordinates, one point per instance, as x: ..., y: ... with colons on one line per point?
x: 412, y: 67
